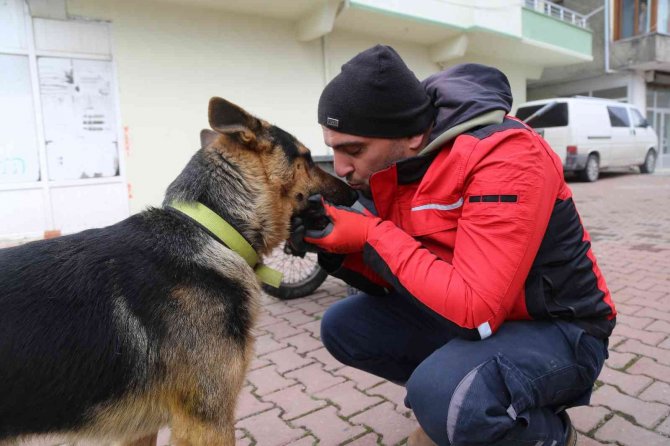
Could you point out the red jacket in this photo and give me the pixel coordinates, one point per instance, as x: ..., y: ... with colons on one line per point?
x: 485, y: 230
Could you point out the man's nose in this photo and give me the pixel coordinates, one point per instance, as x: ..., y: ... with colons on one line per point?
x: 342, y: 164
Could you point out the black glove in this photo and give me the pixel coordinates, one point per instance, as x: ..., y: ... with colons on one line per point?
x: 312, y: 218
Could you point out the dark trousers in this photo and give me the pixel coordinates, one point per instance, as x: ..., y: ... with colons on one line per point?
x: 504, y: 390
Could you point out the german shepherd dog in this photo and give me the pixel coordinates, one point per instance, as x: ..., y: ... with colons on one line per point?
x: 112, y: 333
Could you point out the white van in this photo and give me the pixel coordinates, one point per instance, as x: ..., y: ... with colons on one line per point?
x: 591, y: 134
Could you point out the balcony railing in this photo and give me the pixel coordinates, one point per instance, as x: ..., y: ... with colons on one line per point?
x: 556, y: 11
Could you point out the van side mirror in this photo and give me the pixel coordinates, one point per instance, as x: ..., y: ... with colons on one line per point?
x: 644, y: 123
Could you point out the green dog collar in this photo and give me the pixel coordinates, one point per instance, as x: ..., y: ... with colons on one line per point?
x: 233, y: 239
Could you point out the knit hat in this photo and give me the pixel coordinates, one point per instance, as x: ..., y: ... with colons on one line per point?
x: 376, y: 95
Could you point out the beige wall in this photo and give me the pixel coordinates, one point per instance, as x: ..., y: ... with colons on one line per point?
x: 172, y: 58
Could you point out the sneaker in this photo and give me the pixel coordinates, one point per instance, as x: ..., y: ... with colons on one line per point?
x: 569, y: 433
x: 419, y: 438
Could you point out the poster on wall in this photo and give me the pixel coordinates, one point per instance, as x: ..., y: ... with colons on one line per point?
x: 19, y: 160
x: 79, y: 118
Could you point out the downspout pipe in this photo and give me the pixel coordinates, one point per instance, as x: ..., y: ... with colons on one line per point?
x: 608, y: 70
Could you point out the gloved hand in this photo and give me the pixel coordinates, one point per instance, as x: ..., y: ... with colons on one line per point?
x: 313, y: 217
x: 347, y: 231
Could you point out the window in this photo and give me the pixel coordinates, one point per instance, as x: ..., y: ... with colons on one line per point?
x: 635, y: 17
x: 663, y: 17
x: 638, y: 120
x: 556, y: 116
x: 618, y: 116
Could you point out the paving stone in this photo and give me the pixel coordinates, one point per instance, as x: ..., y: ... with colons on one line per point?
x: 618, y: 360
x: 384, y: 420
x: 650, y: 312
x: 323, y: 356
x: 303, y: 343
x: 308, y: 306
x: 305, y: 441
x: 647, y: 414
x: 391, y: 392
x: 661, y: 355
x: 278, y: 308
x: 313, y: 327
x: 314, y: 378
x: 248, y: 404
x: 626, y: 382
x: 623, y: 432
x: 633, y: 321
x: 648, y: 337
x: 267, y: 380
x: 587, y: 418
x: 363, y: 380
x: 268, y: 429
x: 325, y: 425
x: 348, y: 398
x: 266, y: 344
x: 658, y: 391
x: 370, y: 439
x: 665, y: 344
x: 662, y: 326
x: 258, y: 363
x: 293, y: 401
x: 649, y: 367
x: 664, y: 428
x: 296, y: 318
x: 583, y: 440
x: 287, y: 359
x: 282, y: 330
x: 266, y: 319
x: 163, y: 438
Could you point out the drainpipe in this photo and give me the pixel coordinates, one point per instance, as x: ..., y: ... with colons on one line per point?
x: 607, y: 38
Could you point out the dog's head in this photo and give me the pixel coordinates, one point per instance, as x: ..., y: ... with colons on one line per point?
x: 256, y: 175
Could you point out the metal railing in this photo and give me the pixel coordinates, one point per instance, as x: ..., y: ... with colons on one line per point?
x: 553, y: 10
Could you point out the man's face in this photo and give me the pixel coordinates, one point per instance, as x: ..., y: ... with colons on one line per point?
x: 356, y: 158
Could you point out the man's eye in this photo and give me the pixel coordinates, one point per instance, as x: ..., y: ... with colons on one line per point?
x: 355, y: 150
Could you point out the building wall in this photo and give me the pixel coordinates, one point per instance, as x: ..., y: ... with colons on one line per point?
x: 585, y: 69
x: 172, y: 58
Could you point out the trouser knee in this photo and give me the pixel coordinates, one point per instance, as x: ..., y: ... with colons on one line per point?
x: 479, y: 407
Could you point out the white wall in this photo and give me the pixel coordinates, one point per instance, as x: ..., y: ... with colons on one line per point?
x: 172, y: 58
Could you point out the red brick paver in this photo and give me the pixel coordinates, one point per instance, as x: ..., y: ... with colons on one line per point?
x: 298, y: 394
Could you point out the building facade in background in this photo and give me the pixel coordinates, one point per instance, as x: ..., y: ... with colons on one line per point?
x: 101, y: 102
x: 631, y: 61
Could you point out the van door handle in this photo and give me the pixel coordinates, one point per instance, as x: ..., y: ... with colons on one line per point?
x: 599, y: 137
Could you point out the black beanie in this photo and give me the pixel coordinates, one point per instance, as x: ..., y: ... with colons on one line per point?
x: 376, y: 95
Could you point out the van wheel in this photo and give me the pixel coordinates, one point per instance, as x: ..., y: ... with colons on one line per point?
x: 649, y: 164
x: 592, y: 169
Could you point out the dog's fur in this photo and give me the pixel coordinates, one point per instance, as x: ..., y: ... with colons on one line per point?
x: 112, y: 333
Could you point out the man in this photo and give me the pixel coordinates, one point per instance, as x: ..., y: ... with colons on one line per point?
x: 480, y: 290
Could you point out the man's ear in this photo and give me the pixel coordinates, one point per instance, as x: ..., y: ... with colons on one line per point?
x: 226, y: 117
x: 416, y: 142
x: 207, y: 137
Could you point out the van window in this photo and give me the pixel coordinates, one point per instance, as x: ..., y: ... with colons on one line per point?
x: 638, y: 120
x: 556, y: 116
x: 618, y: 116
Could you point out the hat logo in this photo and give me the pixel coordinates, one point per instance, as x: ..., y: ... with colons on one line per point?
x: 332, y: 122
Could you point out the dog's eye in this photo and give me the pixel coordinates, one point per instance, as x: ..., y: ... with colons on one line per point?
x: 299, y: 197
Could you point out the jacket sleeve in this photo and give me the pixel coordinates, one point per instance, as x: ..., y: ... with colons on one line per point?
x: 352, y: 269
x: 496, y: 241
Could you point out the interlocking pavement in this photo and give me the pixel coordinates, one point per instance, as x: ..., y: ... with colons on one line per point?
x: 297, y: 394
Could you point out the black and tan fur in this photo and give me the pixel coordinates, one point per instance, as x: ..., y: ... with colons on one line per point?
x: 111, y: 333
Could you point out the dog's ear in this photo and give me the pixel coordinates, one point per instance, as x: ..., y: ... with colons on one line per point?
x: 226, y: 117
x: 207, y: 137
